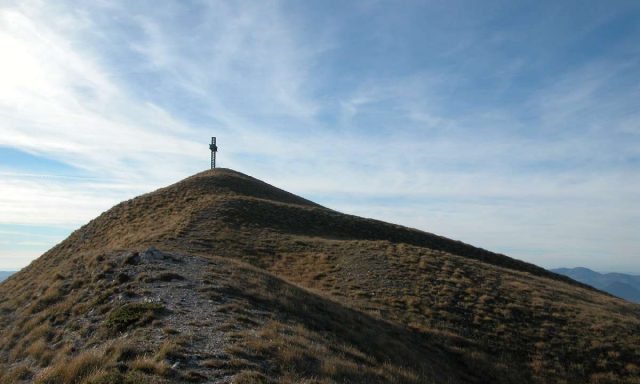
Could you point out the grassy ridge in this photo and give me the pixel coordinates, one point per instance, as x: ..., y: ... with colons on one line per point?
x: 358, y: 299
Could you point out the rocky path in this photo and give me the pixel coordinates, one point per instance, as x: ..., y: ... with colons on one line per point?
x: 196, y: 327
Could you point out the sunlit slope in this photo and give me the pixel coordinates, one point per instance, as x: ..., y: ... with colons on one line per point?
x: 209, y: 208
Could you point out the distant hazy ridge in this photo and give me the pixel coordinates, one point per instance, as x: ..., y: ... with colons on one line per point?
x: 618, y: 284
x: 5, y: 274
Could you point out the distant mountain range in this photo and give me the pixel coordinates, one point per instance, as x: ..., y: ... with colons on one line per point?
x: 618, y: 284
x: 5, y: 274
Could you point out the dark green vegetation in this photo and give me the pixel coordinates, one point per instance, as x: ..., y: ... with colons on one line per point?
x: 223, y: 278
x: 133, y: 314
x: 619, y: 284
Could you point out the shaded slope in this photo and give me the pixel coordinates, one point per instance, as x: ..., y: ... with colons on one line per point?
x: 465, y: 312
x: 157, y: 317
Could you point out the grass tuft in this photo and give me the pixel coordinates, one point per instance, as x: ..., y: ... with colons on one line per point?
x: 74, y: 371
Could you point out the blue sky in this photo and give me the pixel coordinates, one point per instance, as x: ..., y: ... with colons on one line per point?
x: 514, y: 126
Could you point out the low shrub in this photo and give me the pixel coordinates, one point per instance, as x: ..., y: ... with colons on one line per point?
x: 133, y: 314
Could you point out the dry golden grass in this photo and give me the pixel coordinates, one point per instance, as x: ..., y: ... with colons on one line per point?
x: 295, y: 354
x: 73, y: 371
x: 170, y: 350
x: 16, y: 374
x: 348, y: 299
x: 150, y: 365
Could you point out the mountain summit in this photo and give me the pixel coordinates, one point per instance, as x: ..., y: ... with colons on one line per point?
x: 223, y: 278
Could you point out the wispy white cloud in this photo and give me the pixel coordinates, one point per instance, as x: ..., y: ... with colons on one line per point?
x: 64, y: 105
x: 129, y: 93
x: 60, y: 100
x: 57, y: 202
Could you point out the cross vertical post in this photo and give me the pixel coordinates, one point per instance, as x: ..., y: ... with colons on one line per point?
x: 214, y: 148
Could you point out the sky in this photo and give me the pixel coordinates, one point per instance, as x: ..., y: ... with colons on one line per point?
x: 513, y: 126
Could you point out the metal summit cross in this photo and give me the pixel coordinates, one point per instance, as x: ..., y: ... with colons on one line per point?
x: 214, y: 148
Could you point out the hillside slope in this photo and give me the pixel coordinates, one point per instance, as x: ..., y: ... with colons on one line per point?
x: 222, y: 278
